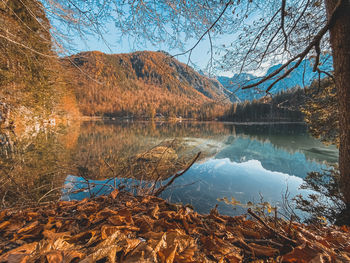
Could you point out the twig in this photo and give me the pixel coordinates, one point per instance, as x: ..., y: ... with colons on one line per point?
x: 161, y: 189
x: 156, y: 167
x: 282, y: 24
x: 264, y: 241
x: 46, y: 194
x: 291, y: 241
x: 290, y: 224
x: 113, y: 172
x: 206, y: 32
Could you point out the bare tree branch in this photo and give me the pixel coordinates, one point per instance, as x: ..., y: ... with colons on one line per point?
x: 161, y: 189
x: 257, y: 39
x: 206, y: 32
x: 317, y: 59
x: 299, y: 57
x: 283, y: 12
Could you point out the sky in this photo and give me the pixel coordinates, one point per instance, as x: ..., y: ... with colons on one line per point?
x: 113, y: 45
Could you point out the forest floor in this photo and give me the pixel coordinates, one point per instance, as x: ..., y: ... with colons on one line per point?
x: 126, y: 228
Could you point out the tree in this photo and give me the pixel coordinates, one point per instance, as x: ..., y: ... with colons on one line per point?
x: 319, y: 110
x: 340, y: 41
x: 264, y: 31
x: 30, y: 75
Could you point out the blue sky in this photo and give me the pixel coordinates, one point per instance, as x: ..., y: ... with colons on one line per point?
x: 112, y: 44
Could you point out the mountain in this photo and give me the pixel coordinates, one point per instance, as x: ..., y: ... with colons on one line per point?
x: 301, y: 76
x: 32, y: 84
x: 142, y: 84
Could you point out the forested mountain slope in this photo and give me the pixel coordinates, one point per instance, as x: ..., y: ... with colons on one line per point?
x: 32, y: 82
x: 142, y: 84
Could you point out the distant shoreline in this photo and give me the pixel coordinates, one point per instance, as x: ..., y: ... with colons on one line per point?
x: 100, y: 118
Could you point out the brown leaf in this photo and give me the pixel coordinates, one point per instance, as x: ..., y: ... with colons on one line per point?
x: 123, y: 217
x: 4, y: 225
x: 2, y: 215
x: 19, y: 253
x: 218, y: 247
x: 130, y: 244
x: 155, y: 212
x: 54, y: 257
x: 107, y: 248
x: 249, y: 233
x: 28, y: 227
x: 106, y: 212
x: 156, y: 241
x: 49, y: 234
x: 167, y: 214
x: 300, y: 254
x: 72, y: 255
x: 88, y: 207
x: 114, y: 193
x: 83, y: 238
x: 145, y: 223
x: 168, y: 255
x: 320, y: 259
x: 142, y: 253
x: 259, y: 250
x: 50, y: 222
x: 31, y: 215
x: 234, y: 257
x: 18, y: 258
x: 105, y: 252
x: 179, y: 237
x: 107, y: 231
x: 186, y: 255
x: 345, y: 228
x: 117, y: 220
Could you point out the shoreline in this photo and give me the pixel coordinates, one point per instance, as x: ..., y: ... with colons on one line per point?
x: 120, y: 119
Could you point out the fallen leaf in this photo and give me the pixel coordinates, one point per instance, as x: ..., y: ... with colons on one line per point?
x: 28, y: 227
x: 19, y: 253
x: 259, y: 250
x: 54, y: 257
x: 114, y: 193
x: 300, y: 254
x: 4, y: 224
x: 155, y: 212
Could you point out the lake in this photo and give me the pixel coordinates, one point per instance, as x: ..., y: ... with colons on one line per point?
x: 249, y: 162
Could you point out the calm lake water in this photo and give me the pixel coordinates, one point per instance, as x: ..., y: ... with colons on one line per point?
x: 247, y: 162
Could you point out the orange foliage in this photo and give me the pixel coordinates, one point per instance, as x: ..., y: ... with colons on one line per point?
x: 142, y: 84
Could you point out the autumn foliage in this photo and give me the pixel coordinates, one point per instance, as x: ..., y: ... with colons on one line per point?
x: 32, y: 80
x: 142, y: 84
x: 124, y: 228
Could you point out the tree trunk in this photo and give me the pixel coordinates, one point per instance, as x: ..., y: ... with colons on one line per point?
x: 340, y: 42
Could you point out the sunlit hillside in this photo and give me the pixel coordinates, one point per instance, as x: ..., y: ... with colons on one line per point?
x: 32, y: 81
x: 142, y: 84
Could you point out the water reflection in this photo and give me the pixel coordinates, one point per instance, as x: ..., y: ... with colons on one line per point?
x: 245, y: 181
x: 243, y: 148
x: 237, y: 160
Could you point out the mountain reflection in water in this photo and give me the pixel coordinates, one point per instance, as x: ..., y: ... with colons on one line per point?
x: 248, y: 162
x: 245, y: 181
x: 236, y: 160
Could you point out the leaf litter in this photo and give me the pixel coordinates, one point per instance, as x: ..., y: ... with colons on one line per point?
x: 126, y: 228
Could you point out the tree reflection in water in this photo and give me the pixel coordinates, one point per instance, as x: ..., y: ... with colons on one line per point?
x: 35, y: 166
